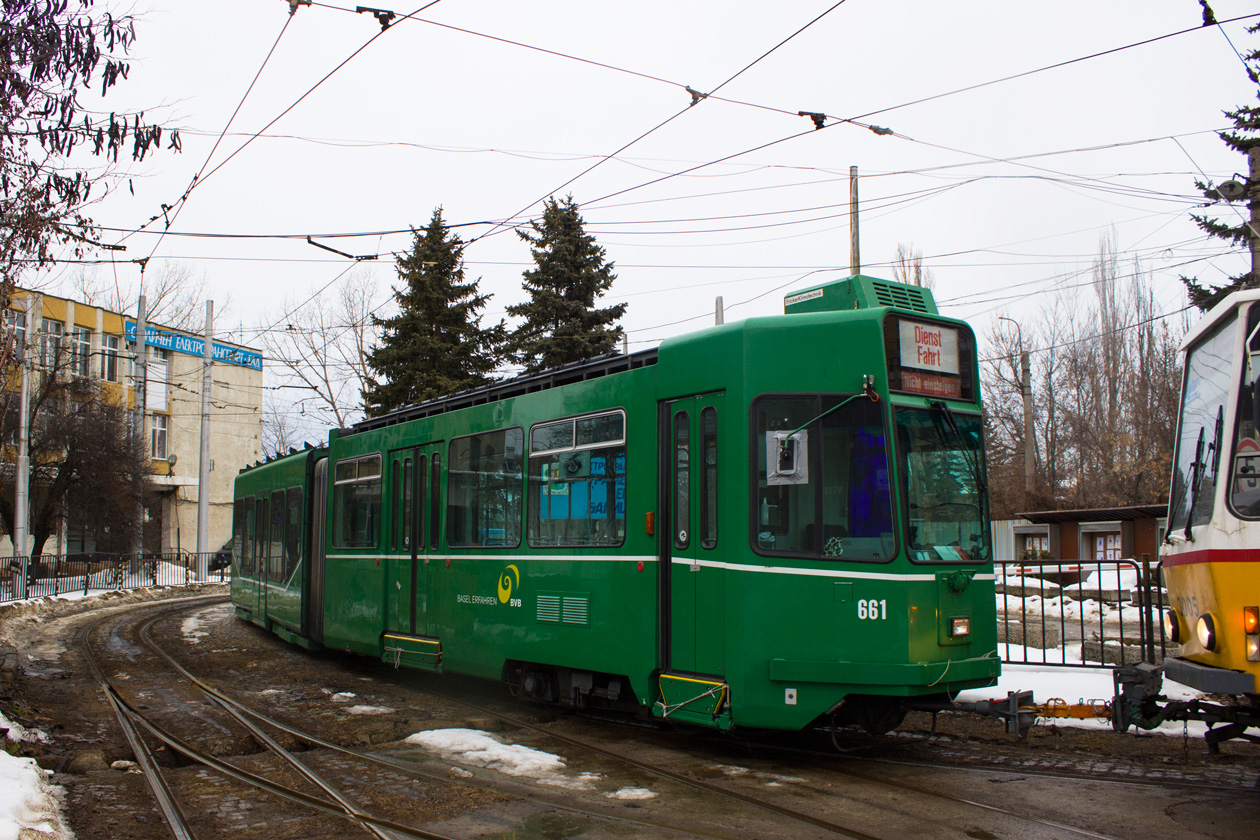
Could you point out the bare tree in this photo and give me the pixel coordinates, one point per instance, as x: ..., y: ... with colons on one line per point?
x: 323, y: 345
x: 174, y: 295
x: 1106, y: 378
x: 281, y: 430
x: 908, y: 267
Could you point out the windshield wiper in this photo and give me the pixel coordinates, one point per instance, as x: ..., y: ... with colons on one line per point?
x: 972, y: 463
x: 1200, y: 464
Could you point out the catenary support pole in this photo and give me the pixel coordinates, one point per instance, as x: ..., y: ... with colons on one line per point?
x: 203, y: 473
x: 855, y: 258
x: 142, y: 374
x: 21, y: 490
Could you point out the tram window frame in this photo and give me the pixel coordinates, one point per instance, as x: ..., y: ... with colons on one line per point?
x: 240, y: 529
x: 262, y: 534
x: 357, y: 486
x: 594, y: 441
x: 472, y: 520
x: 824, y: 410
x: 1181, y: 513
x: 1241, y: 485
x: 709, y: 478
x: 293, y: 532
x: 276, y: 532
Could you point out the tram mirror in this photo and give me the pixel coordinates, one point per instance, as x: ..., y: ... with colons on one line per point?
x: 787, y: 458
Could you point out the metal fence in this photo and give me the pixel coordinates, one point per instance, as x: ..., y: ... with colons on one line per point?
x: 1091, y: 613
x: 51, y: 574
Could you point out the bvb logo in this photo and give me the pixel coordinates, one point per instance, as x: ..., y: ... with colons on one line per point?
x: 509, y: 580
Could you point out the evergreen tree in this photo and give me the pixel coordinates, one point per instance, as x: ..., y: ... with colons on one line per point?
x: 435, y: 345
x: 561, y: 324
x: 1244, y: 137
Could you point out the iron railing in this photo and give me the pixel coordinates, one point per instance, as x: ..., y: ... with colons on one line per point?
x: 51, y: 574
x: 1090, y: 613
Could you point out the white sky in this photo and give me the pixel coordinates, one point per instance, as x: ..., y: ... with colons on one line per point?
x: 427, y: 116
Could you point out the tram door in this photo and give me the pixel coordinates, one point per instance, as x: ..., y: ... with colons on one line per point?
x: 415, y: 495
x: 697, y: 592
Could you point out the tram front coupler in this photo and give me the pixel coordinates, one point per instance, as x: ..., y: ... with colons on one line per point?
x: 1014, y: 710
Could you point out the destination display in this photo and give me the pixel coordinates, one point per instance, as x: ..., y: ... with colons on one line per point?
x: 928, y: 359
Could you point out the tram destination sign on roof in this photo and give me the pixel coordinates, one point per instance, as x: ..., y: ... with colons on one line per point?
x: 194, y: 346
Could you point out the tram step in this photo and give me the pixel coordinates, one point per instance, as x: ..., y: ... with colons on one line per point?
x: 415, y: 651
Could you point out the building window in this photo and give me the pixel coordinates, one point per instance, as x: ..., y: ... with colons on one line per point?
x: 80, y: 351
x: 158, y: 436
x: 156, y: 379
x: 15, y: 325
x: 109, y: 358
x: 50, y: 342
x: 1036, y: 547
x: 1106, y: 547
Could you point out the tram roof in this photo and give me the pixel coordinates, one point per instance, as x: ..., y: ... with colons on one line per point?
x: 1216, y: 314
x: 554, y: 377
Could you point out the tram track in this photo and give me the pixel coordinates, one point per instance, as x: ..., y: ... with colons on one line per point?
x: 336, y: 803
x: 247, y: 719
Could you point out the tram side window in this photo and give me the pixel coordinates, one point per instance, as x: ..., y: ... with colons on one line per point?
x: 830, y: 497
x: 240, y: 542
x: 293, y: 532
x: 483, y: 489
x: 1244, y: 485
x: 357, y: 502
x: 275, y: 553
x: 263, y: 519
x: 577, y: 481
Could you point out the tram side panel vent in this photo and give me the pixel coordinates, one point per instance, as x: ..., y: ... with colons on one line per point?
x: 564, y: 608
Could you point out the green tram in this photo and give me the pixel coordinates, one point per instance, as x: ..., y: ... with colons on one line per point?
x: 765, y: 524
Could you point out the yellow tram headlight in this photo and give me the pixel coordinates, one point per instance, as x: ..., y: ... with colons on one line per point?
x: 1206, y: 628
x: 1251, y: 620
x: 1172, y: 627
x: 959, y: 626
x: 1251, y: 624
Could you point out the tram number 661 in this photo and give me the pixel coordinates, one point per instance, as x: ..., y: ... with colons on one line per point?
x: 873, y: 610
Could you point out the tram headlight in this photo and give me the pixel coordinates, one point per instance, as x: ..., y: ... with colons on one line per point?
x: 959, y: 626
x: 1172, y: 627
x: 1206, y: 629
x: 1253, y: 648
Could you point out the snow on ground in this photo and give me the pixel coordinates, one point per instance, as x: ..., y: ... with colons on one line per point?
x: 193, y: 629
x: 17, y: 732
x: 632, y: 793
x: 480, y: 749
x: 342, y: 697
x: 368, y: 710
x: 29, y: 806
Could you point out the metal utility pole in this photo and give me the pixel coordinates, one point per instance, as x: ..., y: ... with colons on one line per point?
x: 855, y: 259
x: 203, y: 475
x: 1253, y: 195
x: 21, y: 490
x: 142, y: 373
x: 719, y: 312
x: 1025, y: 388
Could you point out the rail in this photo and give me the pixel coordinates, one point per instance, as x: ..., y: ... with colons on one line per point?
x: 43, y: 575
x: 1083, y: 613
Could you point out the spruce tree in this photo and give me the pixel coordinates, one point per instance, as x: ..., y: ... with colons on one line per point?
x: 435, y: 345
x: 561, y: 324
x: 1244, y: 137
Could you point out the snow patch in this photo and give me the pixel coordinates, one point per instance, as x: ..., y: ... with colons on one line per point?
x: 342, y: 697
x: 368, y: 710
x: 192, y: 628
x: 18, y: 732
x: 29, y: 803
x: 632, y: 793
x: 479, y: 749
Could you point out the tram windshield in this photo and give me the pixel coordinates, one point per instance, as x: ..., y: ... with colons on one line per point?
x: 943, y: 473
x: 1209, y: 375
